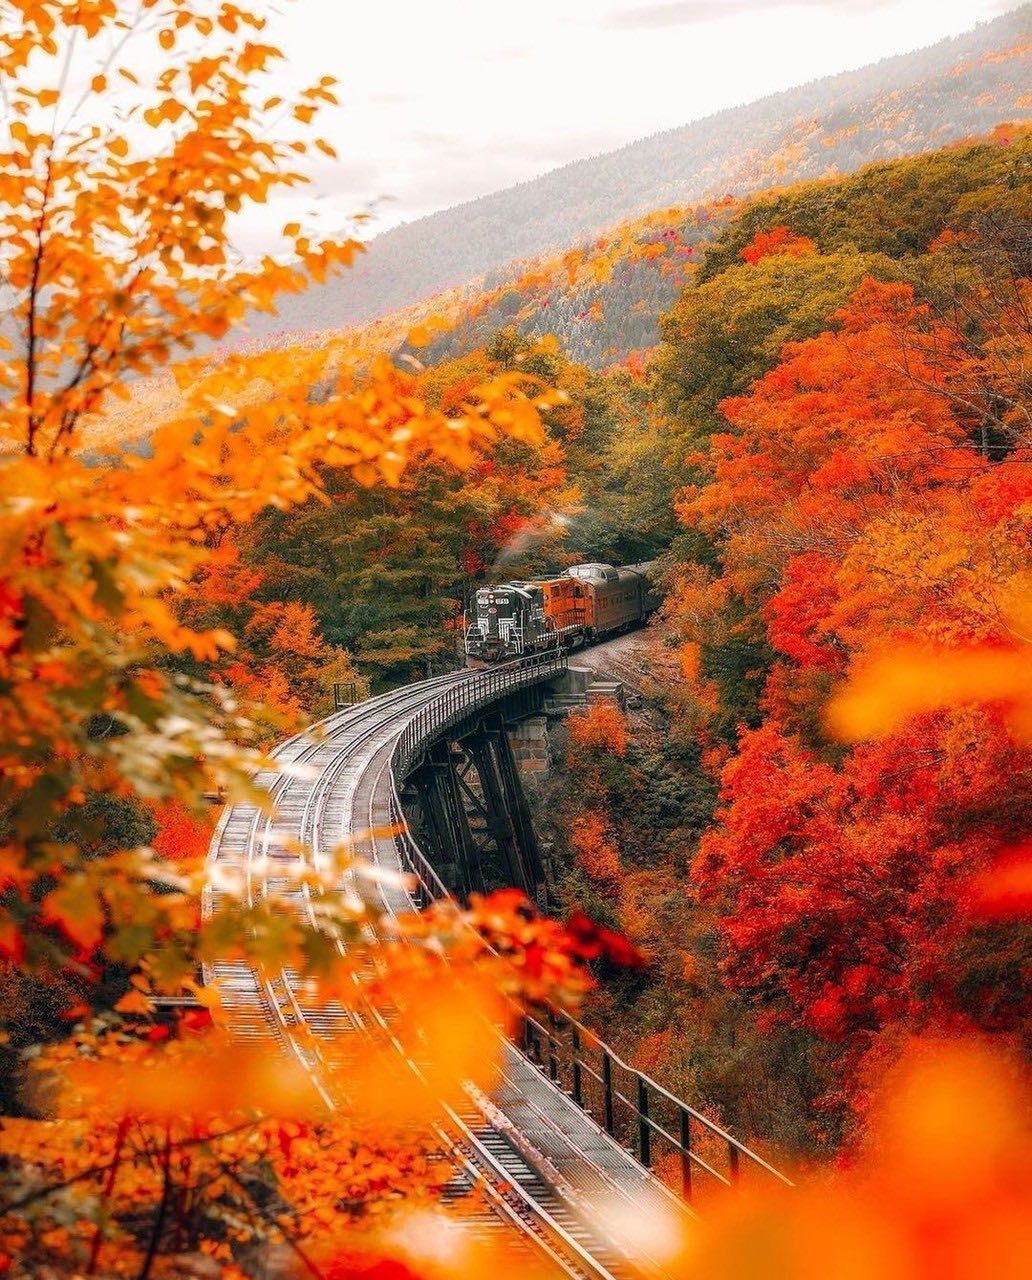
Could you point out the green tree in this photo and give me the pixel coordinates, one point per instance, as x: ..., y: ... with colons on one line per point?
x: 725, y: 333
x: 898, y: 208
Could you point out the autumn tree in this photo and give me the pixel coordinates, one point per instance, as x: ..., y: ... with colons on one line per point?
x: 118, y: 255
x: 387, y: 573
x: 281, y: 661
x: 858, y: 507
x: 726, y: 332
x: 631, y: 799
x: 897, y: 207
x: 132, y: 135
x: 854, y: 507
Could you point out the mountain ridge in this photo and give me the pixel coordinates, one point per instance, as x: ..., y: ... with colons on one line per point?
x: 914, y: 101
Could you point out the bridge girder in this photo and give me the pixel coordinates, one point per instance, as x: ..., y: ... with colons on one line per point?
x: 468, y: 805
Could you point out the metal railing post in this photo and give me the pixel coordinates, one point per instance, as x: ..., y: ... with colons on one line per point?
x: 578, y: 1089
x: 553, y: 1058
x: 644, y: 1129
x: 732, y: 1162
x: 686, y: 1158
x: 607, y: 1088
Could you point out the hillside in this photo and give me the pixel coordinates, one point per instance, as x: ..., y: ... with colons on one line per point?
x: 604, y: 304
x: 914, y: 102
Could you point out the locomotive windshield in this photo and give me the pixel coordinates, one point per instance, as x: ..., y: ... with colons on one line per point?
x: 494, y: 604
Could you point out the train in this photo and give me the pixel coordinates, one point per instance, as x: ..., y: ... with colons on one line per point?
x: 586, y: 603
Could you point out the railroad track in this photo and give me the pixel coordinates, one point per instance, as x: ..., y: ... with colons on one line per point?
x: 545, y: 1172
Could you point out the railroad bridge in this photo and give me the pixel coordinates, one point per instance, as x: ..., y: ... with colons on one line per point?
x: 571, y: 1141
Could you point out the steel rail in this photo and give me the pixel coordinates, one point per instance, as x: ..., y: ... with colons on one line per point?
x: 647, y: 1091
x: 433, y: 888
x: 513, y: 1202
x: 507, y: 1196
x: 520, y: 1203
x: 280, y: 1011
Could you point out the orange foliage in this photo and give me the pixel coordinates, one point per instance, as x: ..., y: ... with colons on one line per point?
x: 908, y: 1209
x: 596, y: 852
x: 599, y: 727
x: 866, y: 530
x: 779, y: 240
x: 182, y: 836
x: 119, y: 260
x: 890, y: 688
x: 192, y: 1120
x: 199, y: 1132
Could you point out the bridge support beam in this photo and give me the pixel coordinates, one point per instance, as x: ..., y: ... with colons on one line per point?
x: 443, y: 822
x: 519, y: 812
x: 473, y: 813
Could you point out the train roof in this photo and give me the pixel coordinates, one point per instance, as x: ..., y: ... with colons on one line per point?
x: 595, y: 571
x: 599, y: 572
x: 523, y: 588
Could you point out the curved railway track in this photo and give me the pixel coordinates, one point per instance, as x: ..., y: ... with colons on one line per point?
x: 545, y: 1170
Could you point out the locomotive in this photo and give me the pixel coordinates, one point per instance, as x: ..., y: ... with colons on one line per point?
x: 586, y: 603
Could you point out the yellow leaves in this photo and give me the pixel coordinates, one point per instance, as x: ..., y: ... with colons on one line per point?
x: 167, y: 38
x: 91, y: 15
x: 103, y: 557
x: 421, y: 335
x: 171, y: 110
x: 208, y: 997
x: 47, y: 97
x: 202, y: 70
x: 889, y: 688
x: 255, y: 57
x: 292, y: 229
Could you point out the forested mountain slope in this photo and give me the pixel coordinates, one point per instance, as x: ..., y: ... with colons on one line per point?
x: 917, y: 101
x: 605, y: 307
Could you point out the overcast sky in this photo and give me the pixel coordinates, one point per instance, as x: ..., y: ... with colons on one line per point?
x: 445, y: 100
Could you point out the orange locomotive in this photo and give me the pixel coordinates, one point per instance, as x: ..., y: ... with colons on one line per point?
x: 586, y: 603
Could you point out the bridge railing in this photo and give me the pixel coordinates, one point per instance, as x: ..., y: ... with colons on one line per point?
x: 465, y: 697
x: 661, y: 1131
